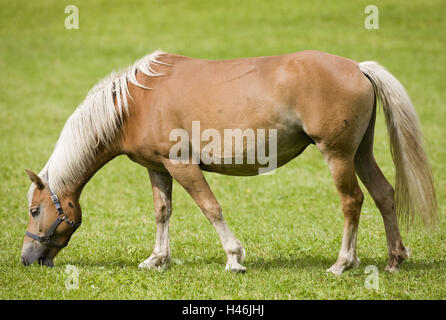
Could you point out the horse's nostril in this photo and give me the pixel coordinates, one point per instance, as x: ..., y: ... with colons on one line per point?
x: 25, y: 262
x: 45, y: 262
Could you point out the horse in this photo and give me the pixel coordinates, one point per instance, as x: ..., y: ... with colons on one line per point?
x: 307, y: 97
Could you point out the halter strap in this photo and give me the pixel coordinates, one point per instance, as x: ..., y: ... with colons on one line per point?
x: 44, y: 239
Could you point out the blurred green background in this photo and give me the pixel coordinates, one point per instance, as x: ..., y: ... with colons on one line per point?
x: 290, y: 223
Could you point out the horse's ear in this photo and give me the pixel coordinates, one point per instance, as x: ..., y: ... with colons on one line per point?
x: 35, y: 179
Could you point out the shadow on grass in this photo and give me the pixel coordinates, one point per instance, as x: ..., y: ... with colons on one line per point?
x: 106, y: 263
x: 297, y: 263
x: 320, y: 262
x: 294, y: 263
x: 419, y: 265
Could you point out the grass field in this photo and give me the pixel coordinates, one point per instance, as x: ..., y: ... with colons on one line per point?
x: 290, y: 223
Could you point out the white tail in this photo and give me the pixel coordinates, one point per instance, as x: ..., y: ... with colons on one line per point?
x: 414, y: 187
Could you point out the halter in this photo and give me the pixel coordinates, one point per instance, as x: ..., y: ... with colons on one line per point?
x: 61, y: 216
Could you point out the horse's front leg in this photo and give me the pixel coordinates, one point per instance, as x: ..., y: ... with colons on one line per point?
x: 162, y: 202
x: 193, y: 181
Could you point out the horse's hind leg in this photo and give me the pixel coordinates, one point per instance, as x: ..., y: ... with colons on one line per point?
x: 383, y: 195
x: 162, y: 202
x: 343, y: 172
x: 193, y: 181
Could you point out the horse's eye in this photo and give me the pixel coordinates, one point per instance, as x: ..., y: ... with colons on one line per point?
x: 34, y: 211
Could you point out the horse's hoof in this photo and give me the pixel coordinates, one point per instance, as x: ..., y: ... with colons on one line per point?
x: 394, y: 262
x: 339, y: 267
x: 392, y: 269
x: 237, y: 268
x: 336, y: 270
x: 155, y: 263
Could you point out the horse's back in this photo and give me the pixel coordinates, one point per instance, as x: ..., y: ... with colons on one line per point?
x: 297, y: 94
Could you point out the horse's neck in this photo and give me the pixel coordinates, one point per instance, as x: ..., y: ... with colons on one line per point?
x: 102, y: 159
x: 103, y: 156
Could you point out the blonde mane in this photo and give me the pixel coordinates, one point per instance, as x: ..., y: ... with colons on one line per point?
x: 96, y: 121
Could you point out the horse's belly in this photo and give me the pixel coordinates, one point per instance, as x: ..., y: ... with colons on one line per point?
x: 265, y: 159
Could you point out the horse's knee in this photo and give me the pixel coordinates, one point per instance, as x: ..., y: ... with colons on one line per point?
x: 163, y: 212
x: 352, y: 203
x: 359, y: 199
x: 212, y: 211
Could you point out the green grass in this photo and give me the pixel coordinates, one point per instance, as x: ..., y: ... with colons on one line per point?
x: 290, y: 223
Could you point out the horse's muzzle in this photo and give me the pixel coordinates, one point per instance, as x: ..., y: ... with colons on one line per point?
x: 32, y: 253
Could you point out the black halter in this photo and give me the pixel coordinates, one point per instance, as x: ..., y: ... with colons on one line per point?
x: 61, y: 216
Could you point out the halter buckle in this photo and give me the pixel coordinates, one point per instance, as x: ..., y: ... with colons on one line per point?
x: 45, y: 240
x: 70, y: 223
x: 54, y: 198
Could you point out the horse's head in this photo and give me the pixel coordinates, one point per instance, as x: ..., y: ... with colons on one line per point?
x: 52, y: 221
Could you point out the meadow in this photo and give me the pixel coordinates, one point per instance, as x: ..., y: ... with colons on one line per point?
x: 290, y: 223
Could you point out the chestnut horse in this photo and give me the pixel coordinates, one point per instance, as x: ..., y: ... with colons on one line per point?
x: 308, y: 97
